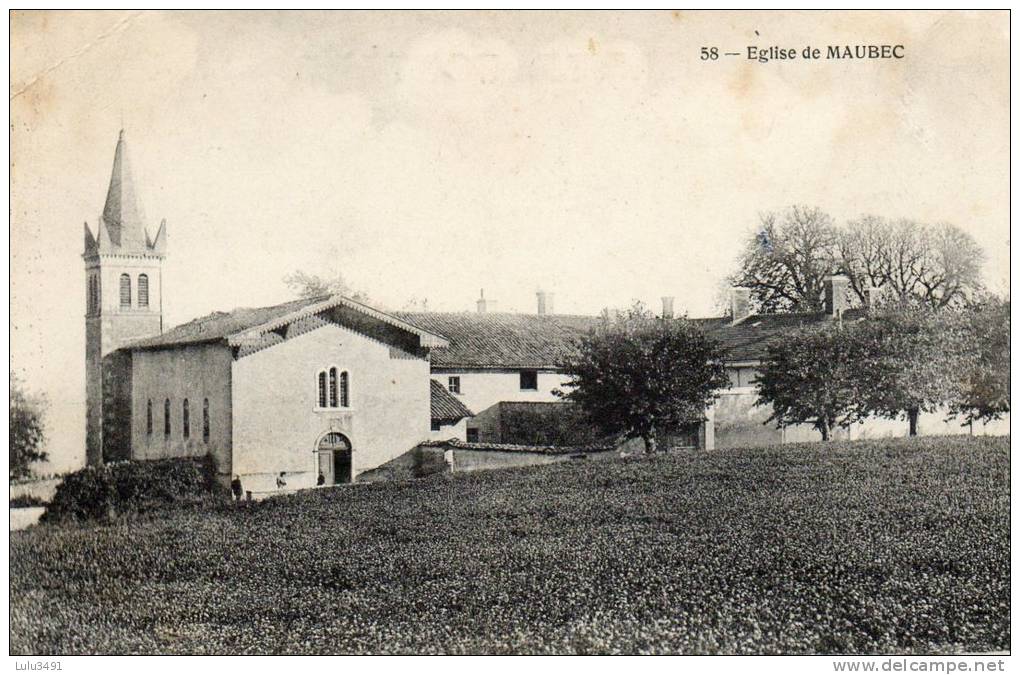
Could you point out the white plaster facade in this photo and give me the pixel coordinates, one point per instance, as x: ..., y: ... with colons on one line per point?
x: 480, y: 389
x: 277, y: 424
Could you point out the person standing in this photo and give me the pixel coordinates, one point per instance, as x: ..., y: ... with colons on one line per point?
x: 235, y: 488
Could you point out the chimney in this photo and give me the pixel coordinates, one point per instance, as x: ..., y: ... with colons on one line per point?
x: 835, y: 294
x: 667, y: 307
x: 481, y: 301
x: 740, y: 304
x: 541, y: 302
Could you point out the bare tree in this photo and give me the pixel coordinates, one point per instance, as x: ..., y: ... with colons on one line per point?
x: 939, y: 265
x: 786, y: 260
x: 305, y: 285
x: 863, y: 250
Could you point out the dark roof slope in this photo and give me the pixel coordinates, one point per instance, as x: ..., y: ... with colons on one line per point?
x: 493, y: 340
x: 747, y: 340
x: 445, y: 406
x: 497, y: 340
x: 221, y: 325
x: 233, y: 326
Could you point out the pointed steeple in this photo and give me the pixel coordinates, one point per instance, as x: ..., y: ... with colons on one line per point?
x: 122, y: 217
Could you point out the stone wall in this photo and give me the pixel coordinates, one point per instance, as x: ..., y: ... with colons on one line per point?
x: 193, y: 372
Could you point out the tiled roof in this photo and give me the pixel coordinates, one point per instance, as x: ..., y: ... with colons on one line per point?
x: 458, y: 444
x: 221, y: 325
x: 445, y: 406
x: 496, y: 340
x: 747, y: 340
x: 472, y: 340
x: 251, y: 327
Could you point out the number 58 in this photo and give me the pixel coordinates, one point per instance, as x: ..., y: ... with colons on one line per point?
x: 709, y: 53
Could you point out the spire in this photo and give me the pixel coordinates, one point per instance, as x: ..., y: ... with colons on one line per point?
x: 122, y: 217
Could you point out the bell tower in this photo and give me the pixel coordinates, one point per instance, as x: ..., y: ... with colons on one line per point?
x: 124, y: 302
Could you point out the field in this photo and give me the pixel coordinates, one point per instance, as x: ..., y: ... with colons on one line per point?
x: 891, y: 546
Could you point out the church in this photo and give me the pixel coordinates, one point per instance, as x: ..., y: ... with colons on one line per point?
x: 322, y: 390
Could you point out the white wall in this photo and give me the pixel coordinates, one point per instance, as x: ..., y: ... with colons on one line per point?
x: 277, y: 425
x: 196, y: 373
x: 480, y: 389
x: 448, y: 431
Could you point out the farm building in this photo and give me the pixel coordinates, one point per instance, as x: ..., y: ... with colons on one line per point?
x: 327, y: 388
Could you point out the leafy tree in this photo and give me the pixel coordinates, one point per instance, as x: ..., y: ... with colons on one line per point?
x: 809, y: 377
x: 639, y: 375
x: 786, y: 260
x: 305, y: 285
x: 984, y: 391
x: 910, y: 360
x: 26, y: 430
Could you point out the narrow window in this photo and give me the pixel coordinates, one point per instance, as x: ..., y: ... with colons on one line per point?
x: 472, y: 435
x: 166, y: 418
x: 148, y: 418
x: 454, y: 384
x: 125, y: 290
x: 529, y: 380
x: 205, y: 420
x: 332, y: 387
x: 185, y: 419
x: 143, y: 290
x: 345, y: 398
x: 93, y: 295
x: 437, y: 425
x: 322, y: 389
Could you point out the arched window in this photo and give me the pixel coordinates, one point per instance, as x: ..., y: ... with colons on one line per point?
x: 332, y: 387
x: 185, y: 419
x: 125, y: 290
x: 345, y: 399
x: 166, y: 418
x: 205, y: 420
x: 143, y: 290
x: 148, y: 418
x: 322, y: 389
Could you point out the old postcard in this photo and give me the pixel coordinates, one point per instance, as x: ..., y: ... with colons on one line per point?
x: 510, y: 332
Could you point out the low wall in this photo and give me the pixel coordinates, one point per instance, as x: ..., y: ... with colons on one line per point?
x: 421, y: 461
x: 456, y: 456
x: 741, y: 424
x: 42, y: 490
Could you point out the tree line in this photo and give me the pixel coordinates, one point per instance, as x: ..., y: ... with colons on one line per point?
x: 902, y: 360
x: 936, y: 341
x: 785, y: 261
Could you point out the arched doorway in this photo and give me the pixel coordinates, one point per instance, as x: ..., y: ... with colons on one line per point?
x: 334, y: 458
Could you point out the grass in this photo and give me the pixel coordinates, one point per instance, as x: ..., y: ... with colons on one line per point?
x: 865, y: 547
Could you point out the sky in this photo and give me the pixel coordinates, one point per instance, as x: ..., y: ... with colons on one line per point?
x: 430, y: 155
